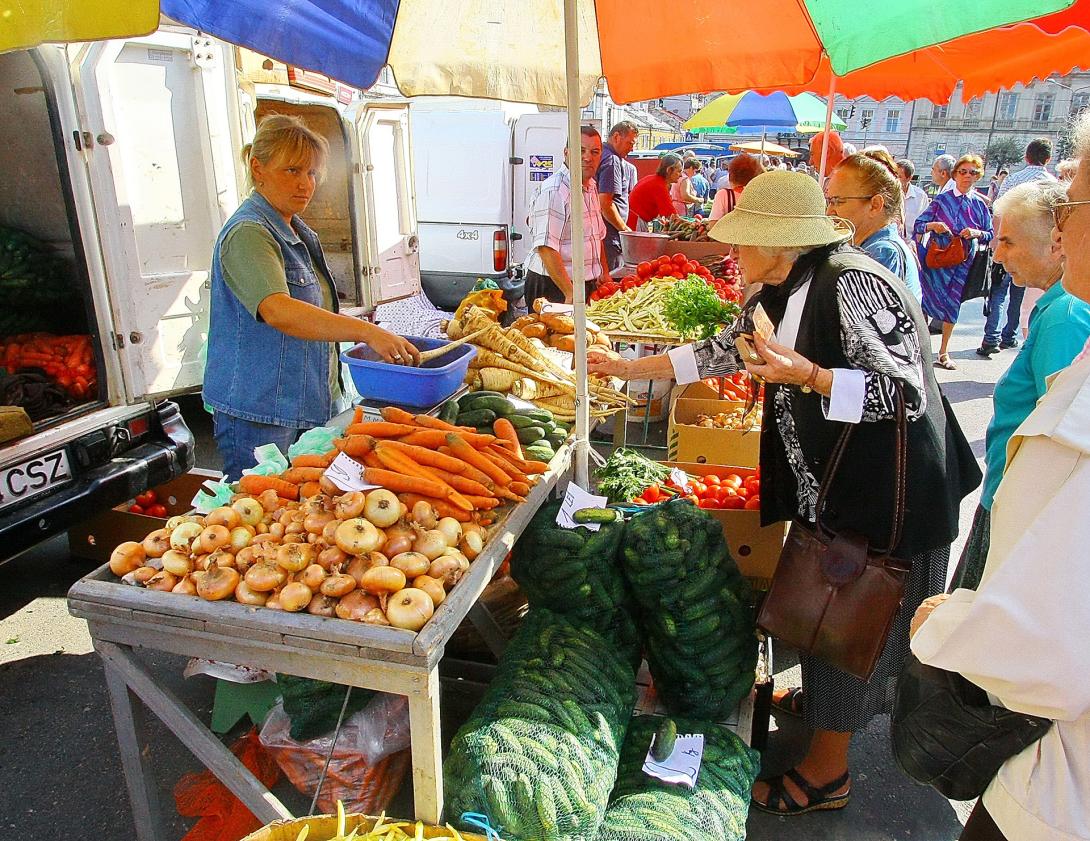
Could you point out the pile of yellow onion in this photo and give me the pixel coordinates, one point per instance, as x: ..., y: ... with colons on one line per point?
x: 360, y: 556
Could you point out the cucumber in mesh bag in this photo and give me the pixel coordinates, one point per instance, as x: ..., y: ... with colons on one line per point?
x: 539, y: 754
x: 642, y: 807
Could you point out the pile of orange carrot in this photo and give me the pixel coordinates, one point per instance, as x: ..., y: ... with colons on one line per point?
x: 461, y: 473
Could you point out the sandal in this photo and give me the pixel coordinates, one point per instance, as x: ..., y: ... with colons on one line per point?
x: 818, y: 799
x: 791, y: 702
x: 944, y: 361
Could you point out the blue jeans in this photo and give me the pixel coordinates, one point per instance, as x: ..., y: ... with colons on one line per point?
x: 236, y: 440
x: 1012, y: 293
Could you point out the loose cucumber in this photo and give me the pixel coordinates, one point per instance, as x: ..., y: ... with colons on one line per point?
x: 530, y: 434
x: 449, y: 411
x: 538, y: 414
x: 521, y: 421
x: 500, y: 405
x: 665, y: 739
x: 477, y: 417
x: 540, y: 453
x: 556, y: 438
x: 466, y: 399
x: 595, y: 515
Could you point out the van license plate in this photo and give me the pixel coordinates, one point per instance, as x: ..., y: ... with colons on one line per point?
x: 33, y: 476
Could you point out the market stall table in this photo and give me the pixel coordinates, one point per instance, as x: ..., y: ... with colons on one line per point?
x: 122, y: 618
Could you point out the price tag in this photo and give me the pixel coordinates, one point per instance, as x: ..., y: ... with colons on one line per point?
x: 347, y: 474
x: 576, y: 499
x: 682, y: 766
x: 558, y: 309
x: 680, y: 478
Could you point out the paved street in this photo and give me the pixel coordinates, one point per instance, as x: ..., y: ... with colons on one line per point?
x: 59, y: 770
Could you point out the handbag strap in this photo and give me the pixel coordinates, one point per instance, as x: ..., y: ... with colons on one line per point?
x: 900, y: 462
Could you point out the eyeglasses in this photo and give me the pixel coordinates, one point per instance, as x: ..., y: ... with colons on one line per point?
x: 836, y: 201
x: 968, y: 172
x: 1061, y: 211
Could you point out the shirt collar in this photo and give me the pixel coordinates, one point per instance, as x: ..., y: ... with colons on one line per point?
x: 885, y: 232
x: 1052, y: 294
x: 286, y: 231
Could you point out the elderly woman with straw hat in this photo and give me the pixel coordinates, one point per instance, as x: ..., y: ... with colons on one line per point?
x: 847, y: 343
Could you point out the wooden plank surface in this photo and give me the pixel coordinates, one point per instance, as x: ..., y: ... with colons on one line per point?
x: 427, y: 750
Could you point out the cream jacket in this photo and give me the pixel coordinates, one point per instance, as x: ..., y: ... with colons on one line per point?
x: 1024, y: 636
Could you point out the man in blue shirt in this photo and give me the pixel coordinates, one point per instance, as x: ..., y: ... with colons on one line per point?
x: 616, y: 177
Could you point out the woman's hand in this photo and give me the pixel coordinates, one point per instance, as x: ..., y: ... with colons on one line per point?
x: 391, y: 347
x: 925, y: 609
x: 969, y: 233
x: 937, y: 227
x: 781, y: 364
x: 599, y: 363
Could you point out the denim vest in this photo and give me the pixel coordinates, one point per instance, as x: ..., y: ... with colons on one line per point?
x: 254, y: 371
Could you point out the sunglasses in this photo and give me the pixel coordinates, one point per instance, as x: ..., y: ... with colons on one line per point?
x: 968, y: 172
x: 1061, y: 212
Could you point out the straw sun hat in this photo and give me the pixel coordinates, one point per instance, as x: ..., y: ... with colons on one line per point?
x: 780, y: 209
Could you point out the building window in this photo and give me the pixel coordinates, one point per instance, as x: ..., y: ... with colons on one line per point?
x: 893, y: 121
x: 844, y: 113
x: 972, y: 108
x: 939, y: 112
x: 1079, y: 102
x: 866, y: 119
x: 1042, y: 107
x: 1008, y: 106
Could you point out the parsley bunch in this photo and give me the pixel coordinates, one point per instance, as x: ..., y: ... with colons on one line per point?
x: 695, y: 310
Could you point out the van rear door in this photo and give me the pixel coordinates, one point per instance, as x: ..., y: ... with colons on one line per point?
x: 160, y: 119
x: 384, y: 197
x: 538, y: 144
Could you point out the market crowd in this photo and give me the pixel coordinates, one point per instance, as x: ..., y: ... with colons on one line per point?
x: 853, y: 275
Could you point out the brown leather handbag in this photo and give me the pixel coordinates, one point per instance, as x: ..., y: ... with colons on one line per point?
x: 833, y: 595
x: 944, y: 256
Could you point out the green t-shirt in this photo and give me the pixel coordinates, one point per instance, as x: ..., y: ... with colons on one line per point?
x: 253, y: 269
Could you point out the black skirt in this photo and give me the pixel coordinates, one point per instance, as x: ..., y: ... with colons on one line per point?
x: 838, y: 701
x: 975, y: 554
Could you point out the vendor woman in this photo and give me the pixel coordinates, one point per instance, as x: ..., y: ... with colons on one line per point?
x: 274, y: 326
x: 850, y: 342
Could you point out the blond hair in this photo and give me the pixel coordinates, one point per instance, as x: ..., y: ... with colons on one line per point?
x: 287, y: 139
x: 970, y: 158
x: 877, y: 174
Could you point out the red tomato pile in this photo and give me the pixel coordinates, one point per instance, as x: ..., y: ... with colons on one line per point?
x: 728, y: 286
x: 68, y: 360
x: 728, y: 491
x: 148, y: 503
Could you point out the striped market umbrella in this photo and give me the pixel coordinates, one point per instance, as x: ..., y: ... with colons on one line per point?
x: 803, y: 112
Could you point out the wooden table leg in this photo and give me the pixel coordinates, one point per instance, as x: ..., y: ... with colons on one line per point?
x: 427, y: 753
x: 485, y: 624
x: 137, y: 769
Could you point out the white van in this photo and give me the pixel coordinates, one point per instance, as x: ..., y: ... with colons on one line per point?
x: 123, y: 157
x: 478, y: 164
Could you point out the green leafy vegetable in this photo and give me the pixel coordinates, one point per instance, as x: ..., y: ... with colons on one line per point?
x: 694, y: 309
x: 626, y: 474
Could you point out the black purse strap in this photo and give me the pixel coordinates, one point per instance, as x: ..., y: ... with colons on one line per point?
x: 900, y: 461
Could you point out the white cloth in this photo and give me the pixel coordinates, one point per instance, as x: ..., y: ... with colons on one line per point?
x: 916, y: 201
x: 948, y: 186
x: 719, y: 203
x: 849, y: 386
x: 1022, y: 636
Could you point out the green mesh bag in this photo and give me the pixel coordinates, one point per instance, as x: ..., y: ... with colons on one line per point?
x: 695, y: 610
x: 642, y: 808
x: 539, y: 755
x: 577, y: 573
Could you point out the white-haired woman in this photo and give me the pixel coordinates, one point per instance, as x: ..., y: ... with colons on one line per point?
x: 1022, y: 635
x: 847, y: 340
x: 273, y: 328
x: 1059, y: 327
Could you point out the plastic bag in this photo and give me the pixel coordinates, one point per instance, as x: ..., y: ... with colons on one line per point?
x: 212, y: 495
x: 314, y: 442
x: 369, y: 762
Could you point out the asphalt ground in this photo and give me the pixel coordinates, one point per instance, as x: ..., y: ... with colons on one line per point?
x: 60, y: 775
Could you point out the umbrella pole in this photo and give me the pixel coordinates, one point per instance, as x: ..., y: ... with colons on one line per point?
x: 582, y: 404
x: 828, y: 128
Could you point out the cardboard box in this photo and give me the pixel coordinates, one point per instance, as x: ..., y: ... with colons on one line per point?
x: 756, y: 550
x: 705, y: 445
x: 96, y: 537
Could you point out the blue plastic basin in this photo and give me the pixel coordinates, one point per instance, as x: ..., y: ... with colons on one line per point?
x: 424, y: 387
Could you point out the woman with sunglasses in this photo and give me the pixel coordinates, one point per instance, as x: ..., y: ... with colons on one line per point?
x: 961, y: 212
